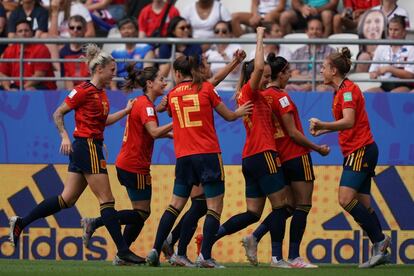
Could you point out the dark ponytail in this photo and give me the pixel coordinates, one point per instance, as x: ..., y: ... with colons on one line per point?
x: 191, y: 66
x: 246, y: 71
x: 277, y: 64
x: 138, y: 78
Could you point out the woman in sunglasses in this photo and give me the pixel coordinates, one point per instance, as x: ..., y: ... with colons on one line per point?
x: 223, y: 52
x: 178, y: 28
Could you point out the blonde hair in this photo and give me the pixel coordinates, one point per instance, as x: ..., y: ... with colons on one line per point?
x: 95, y: 56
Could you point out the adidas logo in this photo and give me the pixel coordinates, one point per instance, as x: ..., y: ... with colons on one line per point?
x: 49, y: 184
x: 30, y: 245
x: 390, y: 184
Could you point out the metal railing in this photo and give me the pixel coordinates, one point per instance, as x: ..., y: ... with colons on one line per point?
x: 175, y: 41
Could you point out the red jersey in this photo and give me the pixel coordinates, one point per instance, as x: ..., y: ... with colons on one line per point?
x: 137, y: 144
x: 149, y: 21
x: 361, y: 5
x: 12, y: 69
x: 281, y: 104
x: 193, y: 120
x: 259, y: 125
x: 91, y: 110
x: 350, y: 96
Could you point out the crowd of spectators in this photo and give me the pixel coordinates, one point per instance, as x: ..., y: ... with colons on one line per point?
x: 370, y: 19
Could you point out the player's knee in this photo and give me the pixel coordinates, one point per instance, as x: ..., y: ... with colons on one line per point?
x: 344, y: 200
x: 65, y: 203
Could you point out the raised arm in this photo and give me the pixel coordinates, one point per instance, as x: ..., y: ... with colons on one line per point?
x: 258, y: 60
x: 238, y: 57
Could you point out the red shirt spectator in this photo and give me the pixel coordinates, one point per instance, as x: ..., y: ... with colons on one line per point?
x: 30, y: 69
x: 150, y: 18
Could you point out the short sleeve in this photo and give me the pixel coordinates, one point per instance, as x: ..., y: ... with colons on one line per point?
x: 75, y: 98
x: 285, y: 105
x: 349, y: 99
x: 214, y: 96
x: 147, y: 113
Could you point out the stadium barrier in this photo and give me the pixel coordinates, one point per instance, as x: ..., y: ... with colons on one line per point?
x: 175, y: 41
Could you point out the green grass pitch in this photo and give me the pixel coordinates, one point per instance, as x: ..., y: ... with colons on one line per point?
x: 95, y: 268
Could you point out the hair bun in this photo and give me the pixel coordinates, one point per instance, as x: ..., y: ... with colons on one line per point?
x: 271, y: 57
x: 346, y: 52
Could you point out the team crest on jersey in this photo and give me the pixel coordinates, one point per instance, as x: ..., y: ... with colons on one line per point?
x: 150, y: 111
x: 72, y: 93
x: 348, y: 97
x: 284, y: 102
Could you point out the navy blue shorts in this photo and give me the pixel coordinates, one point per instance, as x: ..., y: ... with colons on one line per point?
x: 359, y: 168
x: 138, y: 185
x: 87, y: 156
x: 298, y: 169
x: 205, y: 169
x: 263, y: 174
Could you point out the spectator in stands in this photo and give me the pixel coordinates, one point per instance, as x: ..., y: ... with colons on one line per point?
x: 77, y: 28
x: 179, y: 28
x: 303, y: 9
x: 61, y: 10
x: 390, y: 8
x: 371, y: 26
x: 150, y: 18
x: 347, y: 21
x: 133, y: 8
x: 261, y: 11
x: 129, y: 29
x: 10, y: 6
x: 31, y: 11
x: 30, y: 69
x: 393, y: 54
x: 3, y: 20
x: 272, y: 30
x: 305, y: 70
x: 203, y: 15
x: 101, y: 15
x: 223, y: 52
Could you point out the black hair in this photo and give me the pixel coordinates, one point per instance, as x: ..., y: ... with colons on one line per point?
x: 24, y: 21
x: 173, y: 23
x: 227, y: 23
x: 127, y: 20
x: 138, y: 77
x: 245, y: 74
x: 400, y: 19
x: 277, y: 64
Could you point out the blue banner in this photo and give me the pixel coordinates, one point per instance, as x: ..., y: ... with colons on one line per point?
x: 28, y: 134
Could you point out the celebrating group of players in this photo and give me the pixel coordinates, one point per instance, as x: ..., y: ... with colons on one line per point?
x: 276, y: 161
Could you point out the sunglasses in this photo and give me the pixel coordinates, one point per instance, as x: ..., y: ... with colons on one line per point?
x: 77, y: 28
x: 182, y: 28
x: 223, y: 31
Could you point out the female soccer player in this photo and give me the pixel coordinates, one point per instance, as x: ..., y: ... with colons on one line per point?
x: 198, y: 153
x: 294, y: 149
x: 187, y: 225
x: 87, y: 165
x: 358, y: 147
x: 134, y: 159
x: 260, y: 165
